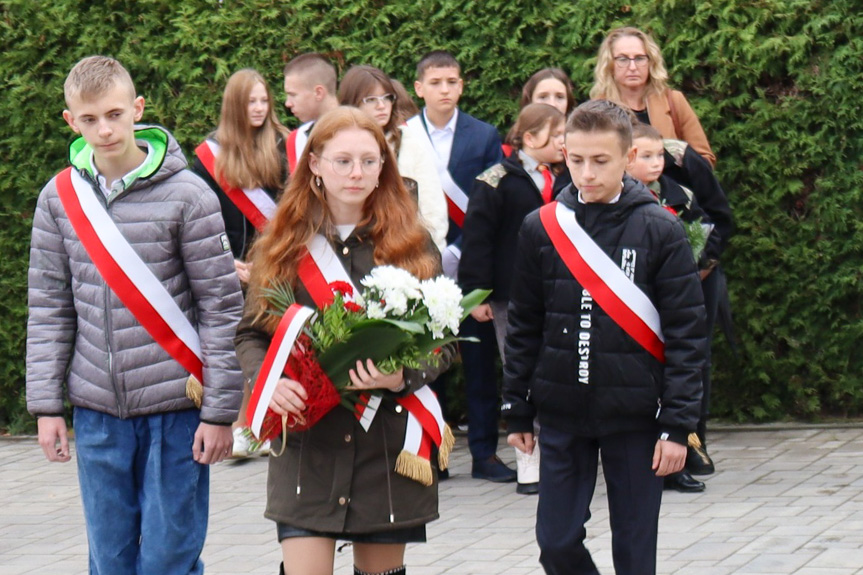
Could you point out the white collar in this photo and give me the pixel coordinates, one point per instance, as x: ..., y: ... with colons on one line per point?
x: 450, y: 126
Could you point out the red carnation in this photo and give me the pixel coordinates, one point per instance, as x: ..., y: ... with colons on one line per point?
x: 343, y: 288
x: 353, y: 307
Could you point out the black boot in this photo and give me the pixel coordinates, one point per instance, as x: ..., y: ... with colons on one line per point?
x: 682, y: 481
x: 698, y: 462
x: 282, y: 568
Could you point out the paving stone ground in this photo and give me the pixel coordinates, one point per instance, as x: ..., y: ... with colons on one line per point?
x: 783, y: 501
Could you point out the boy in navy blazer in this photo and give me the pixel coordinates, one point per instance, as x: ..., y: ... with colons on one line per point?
x: 464, y: 148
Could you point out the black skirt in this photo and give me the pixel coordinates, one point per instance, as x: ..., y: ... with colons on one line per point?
x: 415, y: 534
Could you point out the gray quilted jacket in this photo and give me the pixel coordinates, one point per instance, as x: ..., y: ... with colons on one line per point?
x: 80, y: 334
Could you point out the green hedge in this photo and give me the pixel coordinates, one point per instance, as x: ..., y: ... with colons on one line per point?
x: 777, y: 84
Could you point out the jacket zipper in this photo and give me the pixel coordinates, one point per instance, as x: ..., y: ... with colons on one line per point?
x: 389, y: 480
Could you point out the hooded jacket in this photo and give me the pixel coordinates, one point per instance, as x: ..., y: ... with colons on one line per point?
x: 81, y: 336
x: 570, y: 363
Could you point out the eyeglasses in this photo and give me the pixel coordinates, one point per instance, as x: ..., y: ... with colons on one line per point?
x: 345, y: 166
x: 375, y: 99
x: 623, y: 61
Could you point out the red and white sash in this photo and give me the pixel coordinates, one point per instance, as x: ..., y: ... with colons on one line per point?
x: 616, y: 294
x: 456, y: 199
x: 318, y: 269
x: 425, y: 426
x: 295, y: 144
x: 289, y: 329
x: 127, y: 274
x: 255, y: 203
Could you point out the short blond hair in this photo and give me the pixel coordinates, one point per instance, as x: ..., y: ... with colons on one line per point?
x: 95, y: 75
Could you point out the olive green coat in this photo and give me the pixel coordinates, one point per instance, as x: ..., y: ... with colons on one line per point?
x: 336, y: 477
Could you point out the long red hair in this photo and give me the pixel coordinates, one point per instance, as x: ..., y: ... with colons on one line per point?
x: 389, y: 212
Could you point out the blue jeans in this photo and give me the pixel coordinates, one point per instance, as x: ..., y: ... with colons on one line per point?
x: 145, y: 499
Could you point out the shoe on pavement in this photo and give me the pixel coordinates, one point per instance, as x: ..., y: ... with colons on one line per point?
x: 492, y: 469
x: 527, y: 488
x: 682, y: 481
x: 241, y: 443
x: 698, y: 462
x: 264, y: 449
x: 443, y: 474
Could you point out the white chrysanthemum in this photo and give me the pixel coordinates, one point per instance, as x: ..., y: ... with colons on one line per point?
x: 442, y: 297
x: 374, y: 310
x: 396, y: 287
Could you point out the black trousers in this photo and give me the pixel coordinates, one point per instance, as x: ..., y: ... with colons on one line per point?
x: 481, y: 387
x: 567, y: 480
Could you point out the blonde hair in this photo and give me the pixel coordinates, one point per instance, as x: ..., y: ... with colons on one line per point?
x: 395, y: 231
x: 604, y: 85
x: 95, y: 75
x: 249, y: 157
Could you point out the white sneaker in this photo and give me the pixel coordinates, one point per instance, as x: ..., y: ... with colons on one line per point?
x: 265, y: 449
x: 241, y: 443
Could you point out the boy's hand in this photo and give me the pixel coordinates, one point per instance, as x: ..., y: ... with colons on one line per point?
x: 668, y: 457
x: 482, y: 312
x: 213, y: 443
x: 52, y: 430
x: 524, y: 442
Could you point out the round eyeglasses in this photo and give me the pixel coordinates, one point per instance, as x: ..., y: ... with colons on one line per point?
x: 624, y: 61
x: 383, y: 99
x: 344, y: 166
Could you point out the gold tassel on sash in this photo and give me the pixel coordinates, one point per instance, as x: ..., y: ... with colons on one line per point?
x: 446, y: 445
x: 414, y: 467
x: 195, y: 391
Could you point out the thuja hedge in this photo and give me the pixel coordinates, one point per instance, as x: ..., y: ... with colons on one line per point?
x: 777, y: 84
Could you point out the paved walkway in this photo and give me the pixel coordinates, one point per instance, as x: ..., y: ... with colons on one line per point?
x: 782, y: 501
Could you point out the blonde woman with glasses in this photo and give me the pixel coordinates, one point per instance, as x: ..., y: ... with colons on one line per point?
x: 631, y: 72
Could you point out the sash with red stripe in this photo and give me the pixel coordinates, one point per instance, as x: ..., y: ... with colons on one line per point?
x: 256, y: 204
x: 456, y: 198
x: 127, y: 274
x: 289, y: 329
x: 296, y: 143
x: 616, y: 294
x: 291, y: 149
x: 319, y: 268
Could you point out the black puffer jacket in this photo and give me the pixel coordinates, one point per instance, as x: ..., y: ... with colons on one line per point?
x: 500, y: 199
x: 570, y: 363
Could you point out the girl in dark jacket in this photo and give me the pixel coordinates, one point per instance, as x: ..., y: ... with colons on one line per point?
x: 246, y: 152
x: 336, y: 480
x: 501, y: 197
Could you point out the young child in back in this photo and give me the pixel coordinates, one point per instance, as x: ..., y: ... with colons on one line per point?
x: 464, y: 148
x: 658, y: 164
x: 134, y: 302
x: 501, y: 197
x: 605, y: 343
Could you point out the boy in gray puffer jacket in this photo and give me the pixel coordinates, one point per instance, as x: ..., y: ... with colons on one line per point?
x: 131, y: 289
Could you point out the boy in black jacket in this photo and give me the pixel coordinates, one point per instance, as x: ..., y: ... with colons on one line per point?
x: 605, y: 343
